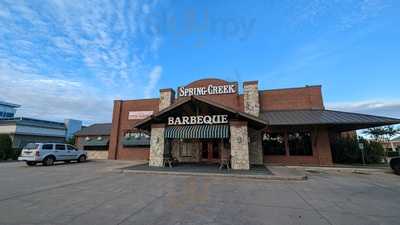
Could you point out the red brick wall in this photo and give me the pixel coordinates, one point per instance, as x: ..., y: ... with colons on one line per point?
x: 121, y: 125
x: 292, y: 98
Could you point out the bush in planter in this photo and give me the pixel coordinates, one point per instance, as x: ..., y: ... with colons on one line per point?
x: 374, y: 152
x: 6, y: 150
x: 347, y: 151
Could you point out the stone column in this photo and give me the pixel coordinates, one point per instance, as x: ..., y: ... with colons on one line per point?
x: 157, y: 145
x: 167, y: 97
x: 239, y: 146
x: 251, y: 98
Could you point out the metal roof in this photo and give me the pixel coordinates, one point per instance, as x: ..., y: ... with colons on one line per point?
x: 32, y: 122
x: 12, y: 105
x: 324, y: 117
x: 396, y: 139
x: 95, y: 129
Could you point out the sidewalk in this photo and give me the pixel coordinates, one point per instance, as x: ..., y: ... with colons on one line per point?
x: 259, y: 172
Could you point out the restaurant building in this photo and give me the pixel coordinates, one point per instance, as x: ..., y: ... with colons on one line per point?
x: 211, y: 120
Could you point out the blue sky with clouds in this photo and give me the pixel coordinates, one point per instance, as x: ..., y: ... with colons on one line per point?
x: 70, y: 59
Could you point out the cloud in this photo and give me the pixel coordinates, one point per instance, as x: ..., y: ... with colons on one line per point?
x: 54, y: 99
x: 154, y: 77
x: 341, y: 15
x: 374, y: 107
x: 62, y: 59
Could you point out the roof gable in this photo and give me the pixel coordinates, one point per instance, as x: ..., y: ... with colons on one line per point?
x: 200, y: 105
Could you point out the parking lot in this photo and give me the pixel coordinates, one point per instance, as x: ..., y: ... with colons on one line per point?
x: 89, y: 193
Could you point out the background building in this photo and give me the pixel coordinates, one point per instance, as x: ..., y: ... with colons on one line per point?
x: 24, y: 130
x: 8, y: 110
x: 95, y: 140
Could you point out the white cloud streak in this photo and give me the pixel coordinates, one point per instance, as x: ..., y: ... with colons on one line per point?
x: 374, y: 107
x: 154, y: 77
x: 69, y: 58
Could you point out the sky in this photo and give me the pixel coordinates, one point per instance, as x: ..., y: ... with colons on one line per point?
x: 70, y: 58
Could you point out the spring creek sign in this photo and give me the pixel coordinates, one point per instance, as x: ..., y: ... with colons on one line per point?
x: 195, y: 120
x: 207, y: 90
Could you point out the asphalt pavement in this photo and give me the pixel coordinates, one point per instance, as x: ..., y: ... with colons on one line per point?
x: 90, y: 193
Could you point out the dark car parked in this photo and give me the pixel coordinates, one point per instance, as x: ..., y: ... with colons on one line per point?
x: 395, y: 165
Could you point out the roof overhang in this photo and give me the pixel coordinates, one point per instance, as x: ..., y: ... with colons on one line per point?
x: 177, y: 109
x: 334, y: 120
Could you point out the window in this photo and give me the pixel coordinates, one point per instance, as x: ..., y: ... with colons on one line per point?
x: 274, y: 144
x: 185, y: 149
x: 60, y: 147
x: 69, y: 147
x: 300, y: 143
x: 47, y: 147
x: 9, y: 115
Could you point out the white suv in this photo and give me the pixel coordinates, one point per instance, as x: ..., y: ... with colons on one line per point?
x: 48, y: 153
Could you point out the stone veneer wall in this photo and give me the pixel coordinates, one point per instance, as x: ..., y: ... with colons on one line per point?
x: 255, y: 147
x: 167, y: 97
x: 192, y: 148
x: 157, y: 145
x: 239, y: 146
x: 251, y: 98
x: 97, y: 154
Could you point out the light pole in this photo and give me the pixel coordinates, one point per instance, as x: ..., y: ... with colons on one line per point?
x: 361, y: 146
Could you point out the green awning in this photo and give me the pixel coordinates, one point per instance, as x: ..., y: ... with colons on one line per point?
x: 197, y: 132
x: 96, y: 142
x: 132, y: 141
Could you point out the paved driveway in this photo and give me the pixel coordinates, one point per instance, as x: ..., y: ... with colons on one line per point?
x: 89, y: 194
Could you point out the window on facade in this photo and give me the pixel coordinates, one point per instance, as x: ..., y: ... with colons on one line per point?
x: 185, y: 149
x: 300, y: 143
x: 274, y: 144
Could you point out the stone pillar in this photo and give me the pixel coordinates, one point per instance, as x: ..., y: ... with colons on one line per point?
x: 255, y: 147
x: 167, y: 97
x: 157, y: 145
x: 251, y: 98
x: 239, y: 146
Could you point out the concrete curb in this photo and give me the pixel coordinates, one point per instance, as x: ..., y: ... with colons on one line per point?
x: 339, y: 169
x: 246, y: 176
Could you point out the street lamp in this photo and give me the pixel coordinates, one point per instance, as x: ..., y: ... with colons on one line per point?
x: 361, y: 146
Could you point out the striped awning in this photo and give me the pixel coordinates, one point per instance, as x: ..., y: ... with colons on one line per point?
x: 132, y: 142
x: 95, y: 142
x: 197, y: 132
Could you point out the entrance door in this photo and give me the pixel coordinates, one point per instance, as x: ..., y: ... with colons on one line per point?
x: 210, y: 151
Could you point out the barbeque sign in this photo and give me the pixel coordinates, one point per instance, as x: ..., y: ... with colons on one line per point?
x: 194, y: 120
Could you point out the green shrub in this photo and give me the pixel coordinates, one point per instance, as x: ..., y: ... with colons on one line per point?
x: 392, y: 154
x: 374, y: 152
x: 347, y: 151
x: 6, y: 151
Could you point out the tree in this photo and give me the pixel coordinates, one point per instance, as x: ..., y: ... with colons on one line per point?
x: 6, y: 150
x: 382, y: 134
x: 70, y: 141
